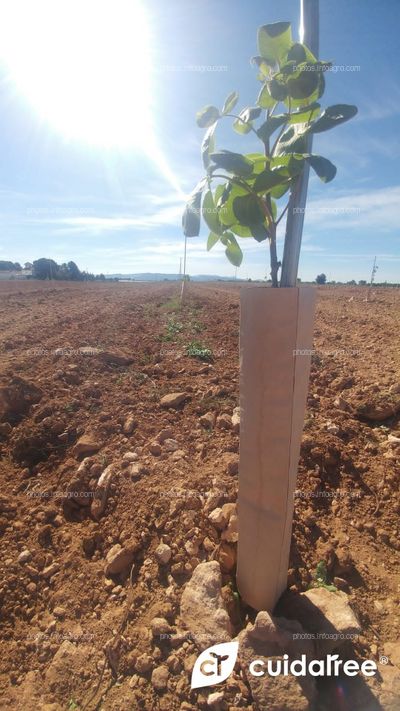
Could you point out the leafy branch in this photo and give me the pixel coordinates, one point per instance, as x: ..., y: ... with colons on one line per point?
x: 244, y: 204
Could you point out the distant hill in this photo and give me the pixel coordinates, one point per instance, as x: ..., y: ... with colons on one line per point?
x: 150, y: 276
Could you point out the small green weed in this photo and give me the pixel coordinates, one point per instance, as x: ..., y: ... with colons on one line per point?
x: 196, y: 349
x: 321, y: 578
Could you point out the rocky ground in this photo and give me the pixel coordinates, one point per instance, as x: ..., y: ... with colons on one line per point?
x: 119, y: 435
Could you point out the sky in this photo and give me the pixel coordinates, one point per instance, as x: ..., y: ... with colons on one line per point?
x: 115, y: 207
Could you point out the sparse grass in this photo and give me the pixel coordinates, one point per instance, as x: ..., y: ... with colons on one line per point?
x: 172, y: 304
x: 173, y: 329
x: 196, y: 349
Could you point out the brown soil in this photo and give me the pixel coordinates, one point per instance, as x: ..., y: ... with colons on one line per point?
x: 51, y: 394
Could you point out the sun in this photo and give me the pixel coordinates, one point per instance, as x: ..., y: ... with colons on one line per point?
x: 84, y: 65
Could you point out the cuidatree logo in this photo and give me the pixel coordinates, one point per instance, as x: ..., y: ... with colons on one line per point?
x: 214, y: 665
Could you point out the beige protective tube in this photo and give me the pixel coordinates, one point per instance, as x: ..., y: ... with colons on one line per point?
x: 276, y: 333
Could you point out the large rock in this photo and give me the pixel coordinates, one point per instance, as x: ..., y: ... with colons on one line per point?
x: 173, y: 400
x: 202, y: 607
x: 378, y: 408
x: 325, y: 614
x: 270, y: 639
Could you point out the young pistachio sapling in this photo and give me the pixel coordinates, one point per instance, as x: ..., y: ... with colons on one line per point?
x: 243, y: 195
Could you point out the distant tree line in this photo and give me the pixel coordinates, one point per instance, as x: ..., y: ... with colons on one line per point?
x: 44, y: 268
x: 68, y: 271
x: 6, y: 266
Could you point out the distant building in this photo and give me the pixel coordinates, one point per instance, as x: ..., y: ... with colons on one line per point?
x: 7, y: 274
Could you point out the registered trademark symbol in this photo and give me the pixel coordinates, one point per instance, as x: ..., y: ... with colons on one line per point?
x: 383, y: 660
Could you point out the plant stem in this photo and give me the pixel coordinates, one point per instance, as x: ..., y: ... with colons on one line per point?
x: 273, y: 256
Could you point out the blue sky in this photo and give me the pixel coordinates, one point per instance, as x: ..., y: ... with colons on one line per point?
x: 114, y: 210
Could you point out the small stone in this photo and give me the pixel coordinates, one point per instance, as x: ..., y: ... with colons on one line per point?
x: 232, y: 466
x: 332, y: 428
x: 236, y: 419
x: 208, y: 545
x: 136, y: 470
x: 166, y: 433
x: 143, y: 664
x: 208, y: 420
x: 159, y: 678
x: 231, y: 533
x: 217, y: 518
x: 160, y: 628
x: 59, y: 612
x: 87, y: 444
x: 24, y: 556
x: 163, y: 554
x: 50, y: 570
x: 129, y: 425
x: 342, y: 404
x: 115, y: 358
x: 215, y: 698
x: 119, y: 559
x: 173, y: 400
x: 155, y: 449
x: 226, y: 557
x: 382, y: 535
x: 130, y: 457
x: 224, y: 422
x: 171, y: 445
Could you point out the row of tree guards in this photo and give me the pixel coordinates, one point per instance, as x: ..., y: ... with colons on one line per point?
x: 241, y: 196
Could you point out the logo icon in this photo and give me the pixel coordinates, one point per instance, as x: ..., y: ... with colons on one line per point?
x: 214, y: 665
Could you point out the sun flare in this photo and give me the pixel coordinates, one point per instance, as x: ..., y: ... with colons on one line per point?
x: 84, y: 65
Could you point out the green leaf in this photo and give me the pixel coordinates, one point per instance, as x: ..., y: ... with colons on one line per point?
x: 248, y: 211
x: 306, y: 114
x: 225, y: 203
x: 208, y: 145
x: 274, y: 41
x: 264, y: 99
x: 269, y: 126
x: 233, y: 251
x: 207, y: 116
x: 230, y: 103
x: 290, y: 165
x: 234, y: 163
x: 241, y: 230
x: 264, y: 67
x: 322, y: 166
x: 300, y: 53
x: 292, y: 140
x: 212, y: 240
x: 279, y: 190
x: 278, y: 90
x: 304, y: 85
x: 334, y: 116
x: 259, y: 232
x: 268, y: 179
x: 259, y: 161
x: 241, y: 127
x: 210, y: 213
x: 191, y: 215
x: 243, y: 124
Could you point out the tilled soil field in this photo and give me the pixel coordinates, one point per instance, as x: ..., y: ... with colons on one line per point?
x: 119, y: 446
